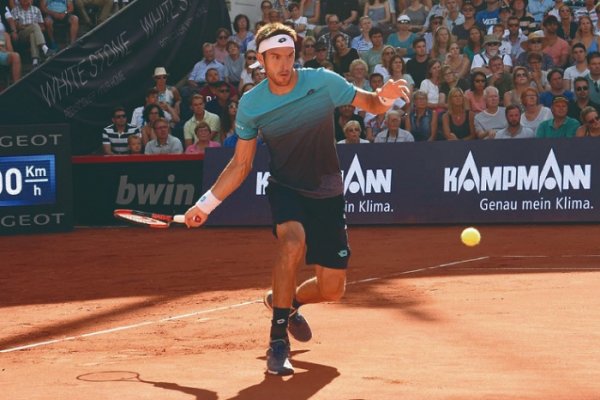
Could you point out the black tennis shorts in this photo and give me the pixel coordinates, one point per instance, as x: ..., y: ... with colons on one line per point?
x: 323, y: 220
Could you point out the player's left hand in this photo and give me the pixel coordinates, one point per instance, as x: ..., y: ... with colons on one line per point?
x: 395, y: 89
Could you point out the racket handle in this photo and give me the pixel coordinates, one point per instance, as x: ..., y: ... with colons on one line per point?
x: 180, y: 219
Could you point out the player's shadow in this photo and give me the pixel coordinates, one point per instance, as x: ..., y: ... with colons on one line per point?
x: 198, y: 393
x: 308, y: 380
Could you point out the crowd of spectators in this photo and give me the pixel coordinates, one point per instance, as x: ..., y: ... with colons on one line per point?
x: 479, y: 69
x: 28, y: 28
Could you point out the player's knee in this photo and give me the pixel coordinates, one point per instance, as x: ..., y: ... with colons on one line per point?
x: 332, y: 289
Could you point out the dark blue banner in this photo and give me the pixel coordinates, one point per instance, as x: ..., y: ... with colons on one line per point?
x: 538, y: 180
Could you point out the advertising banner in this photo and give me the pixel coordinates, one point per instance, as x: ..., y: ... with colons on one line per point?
x: 113, y: 65
x: 35, y: 179
x: 502, y: 181
x: 166, y: 184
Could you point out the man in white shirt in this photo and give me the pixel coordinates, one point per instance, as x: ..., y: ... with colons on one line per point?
x: 491, y: 46
x: 492, y: 119
x: 580, y: 68
x: 393, y: 133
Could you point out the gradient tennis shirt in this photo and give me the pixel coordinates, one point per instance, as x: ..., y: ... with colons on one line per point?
x: 298, y: 129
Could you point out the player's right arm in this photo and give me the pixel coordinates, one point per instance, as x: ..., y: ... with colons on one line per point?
x: 230, y: 179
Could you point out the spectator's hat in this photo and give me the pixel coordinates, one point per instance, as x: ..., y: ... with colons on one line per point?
x: 160, y: 71
x: 404, y: 18
x: 560, y: 98
x: 537, y: 35
x: 505, y: 8
x: 490, y: 39
x: 550, y: 19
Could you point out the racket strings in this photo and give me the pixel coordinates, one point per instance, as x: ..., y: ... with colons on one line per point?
x: 144, y: 220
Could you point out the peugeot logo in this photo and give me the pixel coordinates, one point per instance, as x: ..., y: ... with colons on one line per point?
x: 281, y: 40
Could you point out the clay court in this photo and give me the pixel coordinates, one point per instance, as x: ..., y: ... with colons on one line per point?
x: 178, y: 314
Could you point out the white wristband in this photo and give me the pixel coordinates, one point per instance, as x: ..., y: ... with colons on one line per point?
x: 208, y: 202
x: 386, y: 102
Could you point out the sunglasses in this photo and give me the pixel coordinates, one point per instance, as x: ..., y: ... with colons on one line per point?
x: 493, y: 44
x: 535, y: 41
x: 521, y: 75
x: 120, y: 116
x: 592, y: 120
x: 222, y: 37
x: 514, y: 25
x: 250, y: 58
x: 160, y: 77
x: 582, y: 88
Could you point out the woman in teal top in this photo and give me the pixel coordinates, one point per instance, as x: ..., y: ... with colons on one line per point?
x: 474, y: 43
x: 403, y: 39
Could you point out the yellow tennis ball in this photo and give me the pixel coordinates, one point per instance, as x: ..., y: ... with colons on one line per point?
x: 470, y: 236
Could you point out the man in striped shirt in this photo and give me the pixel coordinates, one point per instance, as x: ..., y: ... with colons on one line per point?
x: 114, y: 137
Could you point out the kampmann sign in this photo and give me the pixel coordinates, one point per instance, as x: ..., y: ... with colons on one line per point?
x: 444, y: 182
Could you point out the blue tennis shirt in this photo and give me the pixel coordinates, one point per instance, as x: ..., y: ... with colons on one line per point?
x: 298, y: 129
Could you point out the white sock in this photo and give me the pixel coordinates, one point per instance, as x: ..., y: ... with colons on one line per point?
x: 45, y: 49
x: 35, y: 61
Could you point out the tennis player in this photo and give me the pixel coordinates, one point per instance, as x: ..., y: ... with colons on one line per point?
x: 293, y: 108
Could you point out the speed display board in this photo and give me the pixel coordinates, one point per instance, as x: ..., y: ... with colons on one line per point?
x: 35, y: 179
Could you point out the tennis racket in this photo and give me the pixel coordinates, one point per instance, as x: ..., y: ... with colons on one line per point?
x: 151, y: 220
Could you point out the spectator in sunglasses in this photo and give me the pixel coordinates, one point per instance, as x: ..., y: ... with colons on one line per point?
x: 582, y: 99
x: 221, y: 44
x: 307, y: 51
x: 591, y: 123
x: 114, y: 137
x: 534, y: 45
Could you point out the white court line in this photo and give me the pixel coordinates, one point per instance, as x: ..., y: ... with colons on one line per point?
x: 574, y: 269
x: 542, y: 256
x: 223, y: 308
x: 125, y: 327
x: 418, y: 270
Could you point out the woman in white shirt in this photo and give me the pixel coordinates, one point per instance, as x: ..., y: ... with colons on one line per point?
x: 534, y: 113
x: 431, y: 85
x: 386, y: 54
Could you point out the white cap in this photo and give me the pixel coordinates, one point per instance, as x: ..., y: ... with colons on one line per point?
x: 403, y: 17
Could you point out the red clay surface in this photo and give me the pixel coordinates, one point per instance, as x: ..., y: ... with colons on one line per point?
x: 424, y: 317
